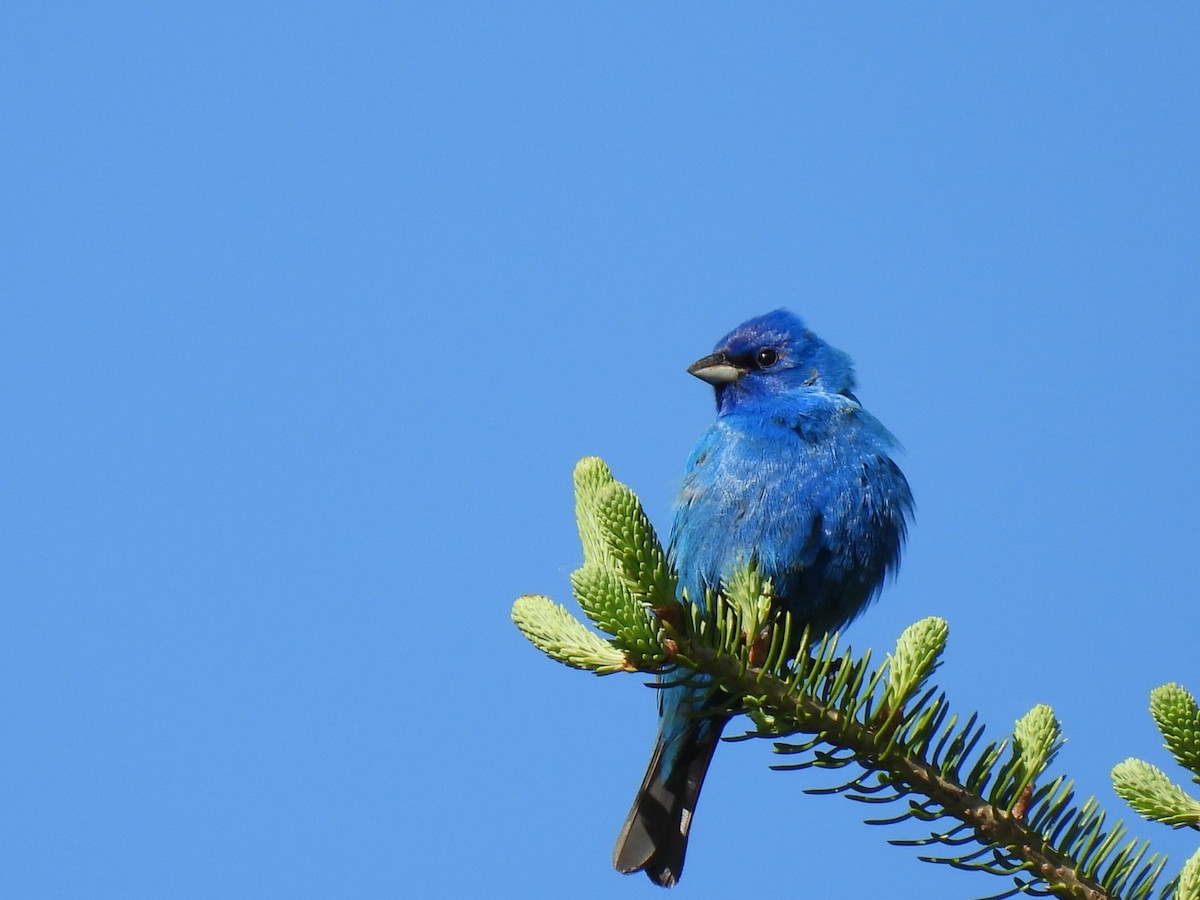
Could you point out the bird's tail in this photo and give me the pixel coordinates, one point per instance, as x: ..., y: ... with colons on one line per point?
x: 654, y: 837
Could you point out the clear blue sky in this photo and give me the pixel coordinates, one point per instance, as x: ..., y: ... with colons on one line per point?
x: 309, y: 309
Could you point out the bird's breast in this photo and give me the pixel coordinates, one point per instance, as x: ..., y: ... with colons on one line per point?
x: 813, y: 514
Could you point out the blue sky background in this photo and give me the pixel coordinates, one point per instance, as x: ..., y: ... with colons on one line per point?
x: 309, y: 309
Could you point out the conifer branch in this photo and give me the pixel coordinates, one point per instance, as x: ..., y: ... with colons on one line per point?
x: 989, y: 807
x: 1150, y: 791
x: 1017, y: 847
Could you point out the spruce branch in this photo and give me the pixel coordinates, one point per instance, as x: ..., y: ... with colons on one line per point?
x: 1151, y: 792
x: 1189, y: 879
x: 562, y: 637
x: 950, y: 783
x: 987, y: 806
x: 1178, y: 718
x: 1153, y: 795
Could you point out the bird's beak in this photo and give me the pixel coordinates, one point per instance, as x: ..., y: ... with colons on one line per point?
x: 716, y: 370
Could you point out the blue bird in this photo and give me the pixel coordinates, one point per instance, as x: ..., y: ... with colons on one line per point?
x: 797, y: 477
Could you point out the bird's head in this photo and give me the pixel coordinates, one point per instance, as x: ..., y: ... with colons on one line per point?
x: 772, y: 355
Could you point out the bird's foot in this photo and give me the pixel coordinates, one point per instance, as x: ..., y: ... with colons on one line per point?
x: 760, y: 646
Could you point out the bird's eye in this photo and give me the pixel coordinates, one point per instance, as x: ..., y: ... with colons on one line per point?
x: 766, y: 357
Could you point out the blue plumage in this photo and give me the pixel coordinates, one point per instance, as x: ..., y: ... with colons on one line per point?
x: 797, y: 476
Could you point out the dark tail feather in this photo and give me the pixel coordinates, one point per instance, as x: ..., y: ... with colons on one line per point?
x: 654, y: 838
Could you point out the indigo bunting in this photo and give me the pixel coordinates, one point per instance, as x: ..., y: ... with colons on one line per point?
x: 797, y: 477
